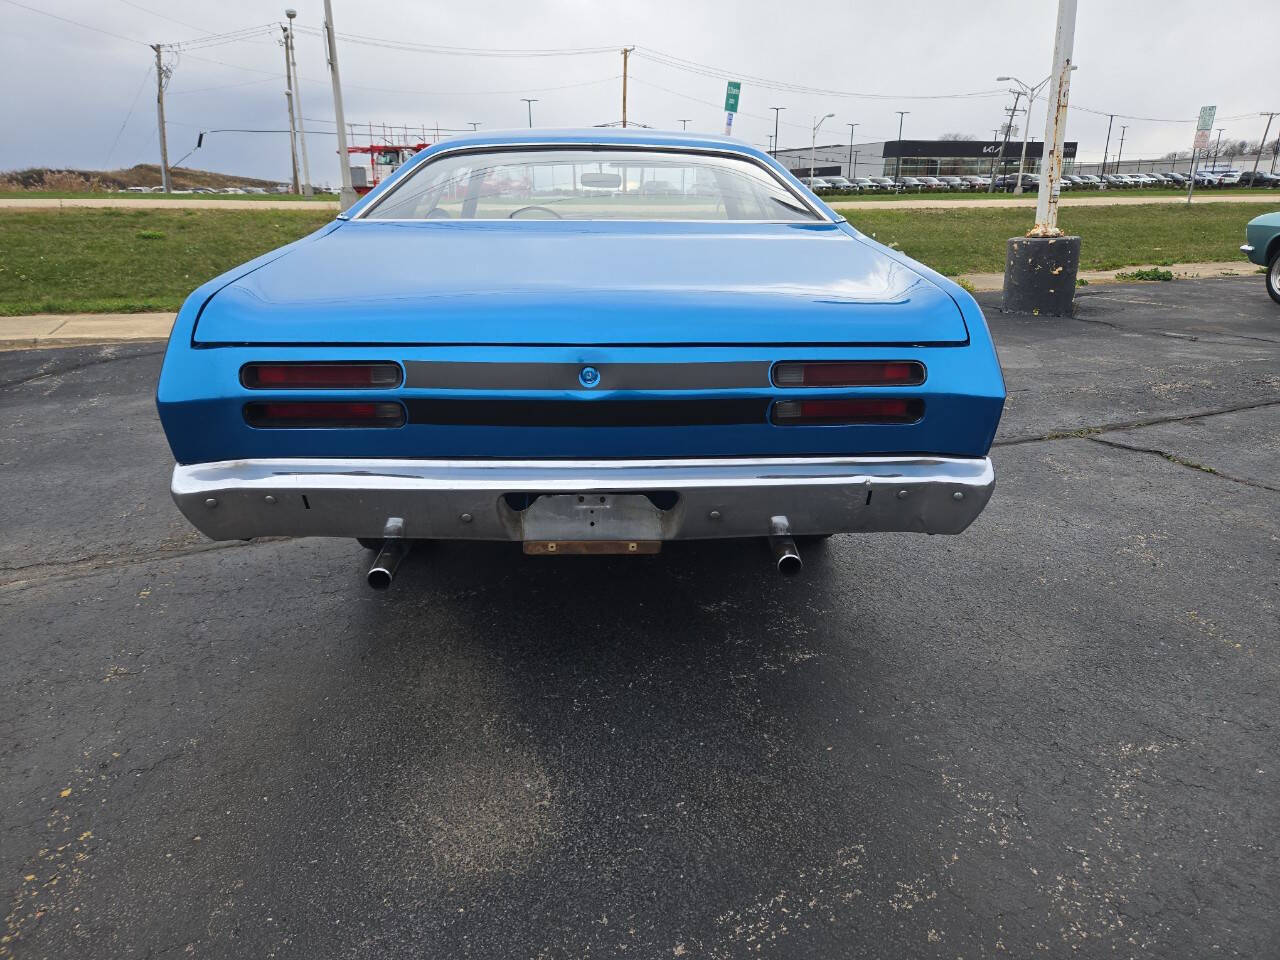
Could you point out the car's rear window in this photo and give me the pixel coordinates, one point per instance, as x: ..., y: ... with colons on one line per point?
x: 591, y: 184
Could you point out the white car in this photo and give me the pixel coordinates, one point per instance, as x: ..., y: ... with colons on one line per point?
x: 1229, y: 178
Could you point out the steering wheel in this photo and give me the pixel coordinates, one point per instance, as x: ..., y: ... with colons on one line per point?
x: 534, y: 206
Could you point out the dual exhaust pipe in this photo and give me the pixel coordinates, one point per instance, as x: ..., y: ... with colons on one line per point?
x: 783, y: 546
x: 395, y: 548
x: 390, y: 555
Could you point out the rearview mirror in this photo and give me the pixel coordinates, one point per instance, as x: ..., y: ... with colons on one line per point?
x: 604, y: 181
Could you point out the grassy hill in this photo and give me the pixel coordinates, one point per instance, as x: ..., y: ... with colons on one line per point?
x: 142, y: 175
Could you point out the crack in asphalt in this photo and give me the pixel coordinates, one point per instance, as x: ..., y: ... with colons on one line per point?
x: 89, y: 566
x: 1182, y: 462
x: 1084, y: 433
x: 75, y: 368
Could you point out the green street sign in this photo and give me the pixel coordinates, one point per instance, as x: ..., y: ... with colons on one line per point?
x: 1206, y: 118
x: 731, y: 96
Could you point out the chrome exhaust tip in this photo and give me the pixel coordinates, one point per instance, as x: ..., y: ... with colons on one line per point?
x: 390, y: 555
x: 784, y: 548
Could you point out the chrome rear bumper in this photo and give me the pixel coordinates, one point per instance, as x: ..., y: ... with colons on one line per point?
x: 582, y: 499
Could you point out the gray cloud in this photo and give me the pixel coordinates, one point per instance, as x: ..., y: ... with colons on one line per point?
x: 67, y: 90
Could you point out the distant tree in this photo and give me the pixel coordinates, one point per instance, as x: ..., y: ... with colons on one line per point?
x: 957, y: 136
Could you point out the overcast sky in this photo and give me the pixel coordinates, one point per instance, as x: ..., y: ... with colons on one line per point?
x: 73, y: 97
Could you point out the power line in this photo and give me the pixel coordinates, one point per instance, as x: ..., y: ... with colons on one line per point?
x: 77, y: 23
x: 462, y: 51
x: 128, y: 116
x: 719, y: 73
x: 163, y: 16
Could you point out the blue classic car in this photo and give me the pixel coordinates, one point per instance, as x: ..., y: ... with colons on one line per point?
x: 588, y: 342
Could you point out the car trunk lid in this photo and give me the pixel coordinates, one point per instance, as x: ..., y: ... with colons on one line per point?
x: 590, y: 283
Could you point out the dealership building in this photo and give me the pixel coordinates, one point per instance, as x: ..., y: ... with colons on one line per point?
x: 929, y: 158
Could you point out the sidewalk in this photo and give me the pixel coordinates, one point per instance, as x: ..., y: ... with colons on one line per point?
x: 78, y: 329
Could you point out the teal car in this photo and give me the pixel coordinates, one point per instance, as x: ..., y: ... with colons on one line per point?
x: 1262, y: 246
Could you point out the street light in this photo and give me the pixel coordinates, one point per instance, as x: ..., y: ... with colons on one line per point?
x: 1030, y: 90
x: 897, y: 173
x: 851, y: 126
x: 529, y: 103
x: 776, y: 111
x: 813, y: 142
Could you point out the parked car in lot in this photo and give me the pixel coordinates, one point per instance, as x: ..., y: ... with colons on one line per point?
x: 1204, y: 178
x: 1176, y: 179
x: 932, y: 183
x: 956, y: 183
x: 885, y: 183
x: 910, y: 183
x: 595, y: 373
x: 1229, y: 178
x: 977, y: 182
x: 1092, y: 181
x: 867, y: 185
x: 841, y: 185
x: 1262, y: 246
x: 817, y: 184
x: 1261, y: 178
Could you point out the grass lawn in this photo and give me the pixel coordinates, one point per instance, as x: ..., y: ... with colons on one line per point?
x: 121, y: 261
x: 972, y: 240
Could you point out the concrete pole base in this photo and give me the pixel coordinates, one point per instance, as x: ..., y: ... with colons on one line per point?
x: 1040, y: 275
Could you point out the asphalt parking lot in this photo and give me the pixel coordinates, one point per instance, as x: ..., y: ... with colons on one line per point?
x: 1054, y: 735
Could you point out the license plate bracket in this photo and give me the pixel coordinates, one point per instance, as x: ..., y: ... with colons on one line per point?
x: 588, y: 517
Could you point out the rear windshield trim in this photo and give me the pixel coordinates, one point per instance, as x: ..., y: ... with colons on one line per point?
x: 597, y: 146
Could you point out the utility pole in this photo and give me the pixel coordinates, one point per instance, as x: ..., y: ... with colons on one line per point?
x: 776, y: 111
x: 1056, y: 128
x: 991, y: 187
x: 297, y: 98
x: 348, y: 195
x: 288, y: 97
x: 851, y: 126
x: 1110, y: 117
x: 1215, y: 150
x: 1120, y: 152
x: 855, y: 163
x: 162, y: 78
x: 1261, y: 143
x: 897, y: 174
x: 626, y: 54
x: 684, y: 124
x: 475, y: 125
x: 529, y: 103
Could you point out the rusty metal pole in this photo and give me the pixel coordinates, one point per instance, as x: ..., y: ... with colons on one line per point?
x: 1040, y: 268
x: 1056, y: 123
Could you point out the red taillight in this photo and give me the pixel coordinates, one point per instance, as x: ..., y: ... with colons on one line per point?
x: 324, y: 414
x: 320, y: 376
x: 849, y: 373
x: 859, y: 410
